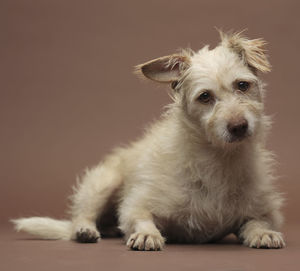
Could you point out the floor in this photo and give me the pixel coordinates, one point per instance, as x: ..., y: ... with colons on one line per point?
x: 19, y: 251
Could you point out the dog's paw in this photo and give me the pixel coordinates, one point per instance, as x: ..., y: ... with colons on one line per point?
x: 86, y: 235
x: 265, y: 239
x: 143, y: 241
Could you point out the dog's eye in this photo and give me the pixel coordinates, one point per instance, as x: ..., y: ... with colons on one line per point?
x: 205, y: 97
x: 243, y: 85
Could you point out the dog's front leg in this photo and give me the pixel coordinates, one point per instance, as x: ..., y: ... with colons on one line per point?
x: 258, y: 234
x: 139, y: 228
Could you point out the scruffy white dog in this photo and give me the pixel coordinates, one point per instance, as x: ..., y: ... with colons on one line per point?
x: 199, y: 173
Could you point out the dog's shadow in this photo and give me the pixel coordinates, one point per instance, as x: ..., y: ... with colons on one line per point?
x: 230, y: 242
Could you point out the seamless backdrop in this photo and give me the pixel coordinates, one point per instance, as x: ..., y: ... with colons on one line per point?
x: 68, y: 94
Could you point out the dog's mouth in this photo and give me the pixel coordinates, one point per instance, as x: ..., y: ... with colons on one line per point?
x: 237, y: 139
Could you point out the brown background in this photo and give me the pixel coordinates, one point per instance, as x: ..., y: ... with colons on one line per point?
x: 68, y: 94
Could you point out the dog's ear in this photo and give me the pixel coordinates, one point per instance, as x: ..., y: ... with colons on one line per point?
x: 252, y: 52
x: 165, y: 69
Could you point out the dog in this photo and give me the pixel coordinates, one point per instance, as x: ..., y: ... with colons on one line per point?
x: 197, y: 174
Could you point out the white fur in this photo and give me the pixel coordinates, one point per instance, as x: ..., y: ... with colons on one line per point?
x: 45, y: 227
x: 184, y: 180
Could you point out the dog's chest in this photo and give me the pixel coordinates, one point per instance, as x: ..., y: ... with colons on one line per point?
x: 216, y: 205
x: 208, y: 211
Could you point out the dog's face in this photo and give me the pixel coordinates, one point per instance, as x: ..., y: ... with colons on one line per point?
x: 222, y: 95
x: 218, y: 89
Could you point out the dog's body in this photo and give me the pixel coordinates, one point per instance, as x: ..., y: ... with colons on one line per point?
x: 199, y: 173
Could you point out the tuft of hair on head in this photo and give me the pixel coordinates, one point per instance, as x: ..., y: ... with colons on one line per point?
x: 252, y: 52
x: 166, y: 69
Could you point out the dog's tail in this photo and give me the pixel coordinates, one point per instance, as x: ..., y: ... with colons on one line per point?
x: 45, y: 227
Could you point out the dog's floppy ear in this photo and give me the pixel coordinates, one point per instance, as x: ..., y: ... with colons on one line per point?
x: 165, y: 69
x: 252, y: 52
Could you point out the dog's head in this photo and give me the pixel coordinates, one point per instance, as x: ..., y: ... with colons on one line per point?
x: 218, y: 90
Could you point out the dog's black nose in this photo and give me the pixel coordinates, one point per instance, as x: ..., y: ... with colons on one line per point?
x: 238, y: 129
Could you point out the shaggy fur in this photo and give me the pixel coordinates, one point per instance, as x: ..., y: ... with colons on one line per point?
x: 199, y: 173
